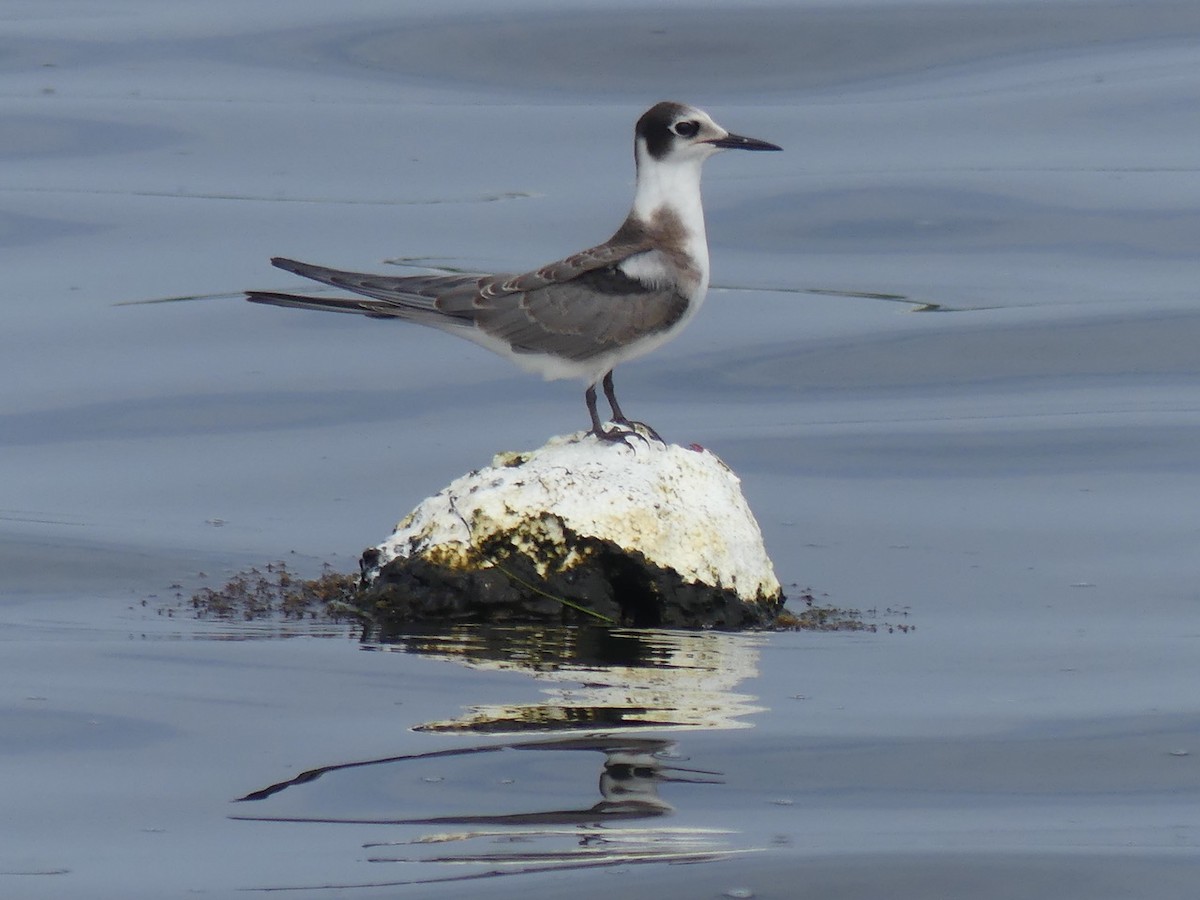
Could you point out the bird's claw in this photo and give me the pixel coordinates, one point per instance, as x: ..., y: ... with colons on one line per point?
x: 632, y: 427
x: 619, y: 436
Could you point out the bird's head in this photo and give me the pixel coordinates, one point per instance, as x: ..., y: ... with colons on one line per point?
x: 675, y: 133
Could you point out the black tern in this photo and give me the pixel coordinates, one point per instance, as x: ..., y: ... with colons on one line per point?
x: 581, y: 316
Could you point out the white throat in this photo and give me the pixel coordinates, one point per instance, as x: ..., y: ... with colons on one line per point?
x: 673, y: 186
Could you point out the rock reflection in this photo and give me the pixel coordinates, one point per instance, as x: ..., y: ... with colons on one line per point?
x: 507, y: 807
x: 617, y: 678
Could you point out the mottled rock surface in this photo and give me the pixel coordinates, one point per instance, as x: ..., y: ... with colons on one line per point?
x: 577, y: 532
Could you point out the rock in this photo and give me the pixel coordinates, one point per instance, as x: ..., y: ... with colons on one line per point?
x: 576, y: 532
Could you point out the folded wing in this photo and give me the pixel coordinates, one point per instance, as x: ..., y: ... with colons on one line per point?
x: 577, y: 308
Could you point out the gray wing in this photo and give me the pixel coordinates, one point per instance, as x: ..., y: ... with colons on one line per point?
x: 591, y: 314
x: 574, y: 308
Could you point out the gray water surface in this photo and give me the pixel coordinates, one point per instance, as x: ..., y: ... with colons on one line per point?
x: 951, y: 351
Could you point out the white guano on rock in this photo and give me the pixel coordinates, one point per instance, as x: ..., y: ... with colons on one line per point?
x: 681, y: 508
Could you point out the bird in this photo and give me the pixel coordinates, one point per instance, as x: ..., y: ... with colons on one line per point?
x: 583, y: 315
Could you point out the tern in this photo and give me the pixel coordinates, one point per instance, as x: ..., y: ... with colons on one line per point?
x: 582, y: 316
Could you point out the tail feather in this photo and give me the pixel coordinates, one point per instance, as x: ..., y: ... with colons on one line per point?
x: 376, y: 309
x: 417, y: 298
x: 416, y: 292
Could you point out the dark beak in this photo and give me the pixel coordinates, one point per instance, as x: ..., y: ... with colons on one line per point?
x: 737, y: 142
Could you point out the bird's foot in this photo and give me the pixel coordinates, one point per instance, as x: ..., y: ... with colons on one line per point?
x: 618, y: 436
x: 633, y: 427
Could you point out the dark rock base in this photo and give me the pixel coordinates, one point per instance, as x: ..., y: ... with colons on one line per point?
x: 609, y: 587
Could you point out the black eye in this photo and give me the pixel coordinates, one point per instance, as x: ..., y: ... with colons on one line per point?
x: 687, y: 129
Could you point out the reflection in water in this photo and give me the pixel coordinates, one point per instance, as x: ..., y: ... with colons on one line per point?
x: 506, y: 806
x: 539, y: 839
x: 629, y: 780
x: 630, y: 678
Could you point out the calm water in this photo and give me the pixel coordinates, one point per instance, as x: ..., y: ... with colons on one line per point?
x: 952, y: 352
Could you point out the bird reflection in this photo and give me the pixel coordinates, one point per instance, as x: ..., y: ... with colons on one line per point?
x: 629, y: 778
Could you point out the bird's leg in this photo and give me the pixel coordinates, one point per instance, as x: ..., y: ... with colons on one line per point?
x: 617, y: 415
x: 611, y: 394
x: 616, y: 435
